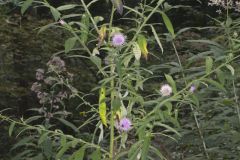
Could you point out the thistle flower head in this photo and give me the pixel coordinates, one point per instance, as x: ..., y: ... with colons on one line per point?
x: 62, y: 22
x: 124, y: 124
x: 118, y: 39
x: 192, y: 89
x: 166, y: 90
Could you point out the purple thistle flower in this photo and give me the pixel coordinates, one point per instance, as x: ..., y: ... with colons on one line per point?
x: 166, y: 90
x: 62, y: 22
x: 124, y: 125
x: 118, y: 39
x: 192, y: 89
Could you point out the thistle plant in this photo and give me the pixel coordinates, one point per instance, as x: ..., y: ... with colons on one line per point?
x: 125, y: 120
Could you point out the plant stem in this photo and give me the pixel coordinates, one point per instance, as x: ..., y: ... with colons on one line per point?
x: 200, y: 132
x: 142, y: 25
x: 91, y: 18
x: 227, y: 8
x: 111, y: 150
x: 110, y: 24
x: 179, y: 62
x: 112, y: 115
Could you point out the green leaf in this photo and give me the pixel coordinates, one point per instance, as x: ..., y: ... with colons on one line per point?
x: 119, y: 70
x: 156, y: 38
x: 195, y: 100
x: 169, y: 107
x: 40, y: 156
x: 85, y: 28
x: 146, y: 145
x: 42, y: 138
x: 22, y: 142
x: 69, y: 44
x: 167, y: 127
x: 168, y: 24
x: 31, y: 119
x: 69, y: 124
x: 119, y: 5
x: 171, y: 82
x: 96, y: 155
x: 229, y: 21
x: 142, y: 42
x: 116, y: 104
x: 63, y: 140
x: 134, y: 150
x: 127, y: 60
x: 206, y: 42
x: 10, y: 131
x: 43, y: 28
x: 47, y: 148
x: 97, y: 61
x: 102, y: 34
x: 215, y: 83
x: 221, y: 76
x: 157, y: 152
x: 56, y: 14
x: 103, y: 106
x: 231, y: 69
x: 26, y: 4
x: 21, y: 155
x: 136, y: 51
x: 209, y: 64
x: 66, y: 7
x: 79, y: 154
x: 63, y: 150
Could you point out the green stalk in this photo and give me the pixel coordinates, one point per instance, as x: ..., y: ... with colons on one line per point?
x: 91, y: 18
x: 142, y: 25
x: 227, y: 8
x: 111, y: 149
x: 110, y: 23
x: 179, y: 62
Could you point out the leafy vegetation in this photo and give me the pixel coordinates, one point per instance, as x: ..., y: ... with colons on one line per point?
x: 126, y: 83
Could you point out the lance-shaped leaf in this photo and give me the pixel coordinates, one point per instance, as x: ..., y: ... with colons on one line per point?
x: 103, y: 106
x: 69, y: 44
x: 168, y: 24
x: 119, y: 5
x: 136, y: 51
x: 101, y: 35
x: 85, y: 28
x: 26, y: 4
x: 209, y: 64
x: 142, y: 42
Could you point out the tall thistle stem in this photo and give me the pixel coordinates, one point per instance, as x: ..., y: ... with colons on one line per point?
x: 111, y: 150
